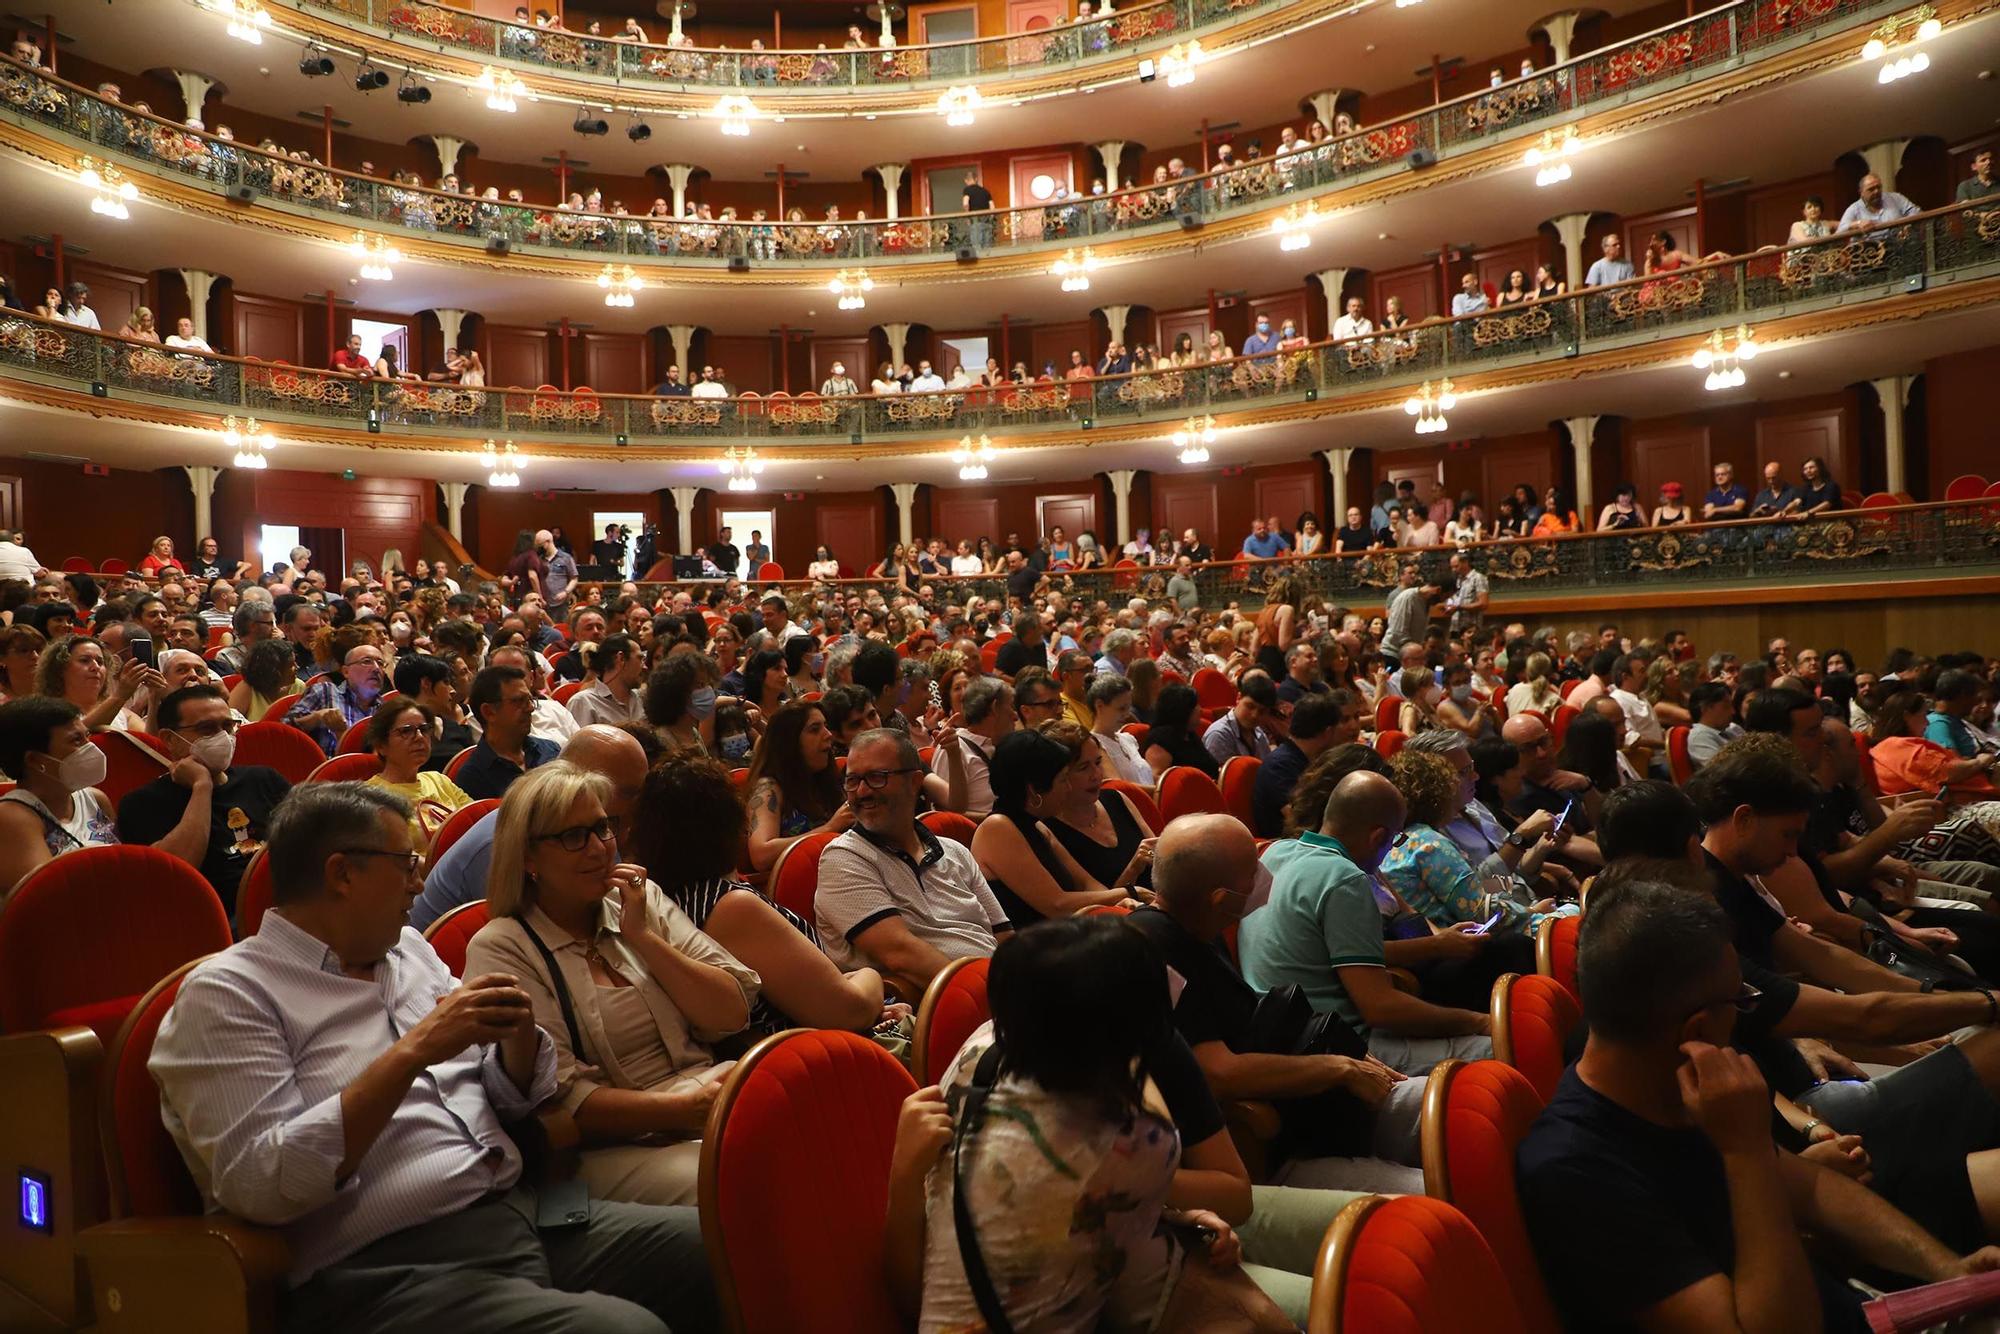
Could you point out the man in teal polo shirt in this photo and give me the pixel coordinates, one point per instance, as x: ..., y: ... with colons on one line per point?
x: 1954, y: 696
x: 1322, y: 932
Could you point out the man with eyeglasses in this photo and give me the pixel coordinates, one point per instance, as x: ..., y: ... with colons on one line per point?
x: 325, y: 711
x: 335, y: 1037
x: 1321, y: 931
x: 1653, y: 1173
x: 892, y: 895
x: 210, y: 813
x: 505, y: 707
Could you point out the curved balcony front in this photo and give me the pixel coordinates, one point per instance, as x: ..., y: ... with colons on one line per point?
x: 1737, y: 41
x: 1848, y: 280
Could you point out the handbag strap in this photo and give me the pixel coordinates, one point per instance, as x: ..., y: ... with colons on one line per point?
x: 971, y: 1114
x: 562, y: 990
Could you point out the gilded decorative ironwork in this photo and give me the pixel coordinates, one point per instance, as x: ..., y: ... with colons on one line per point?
x: 565, y: 409
x: 1526, y: 100
x: 804, y: 412
x: 1036, y: 398
x: 1988, y: 226
x: 32, y: 340
x: 1153, y: 388
x: 922, y: 408
x: 1837, y: 539
x: 152, y: 365
x: 1384, y: 353
x: 428, y: 21
x: 439, y: 401
x: 559, y: 49
x: 284, y: 382
x: 1664, y: 296
x: 1806, y: 266
x: 1378, y: 569
x: 1525, y: 560
x: 1496, y: 329
x: 686, y: 412
x: 1669, y: 551
x: 1649, y: 59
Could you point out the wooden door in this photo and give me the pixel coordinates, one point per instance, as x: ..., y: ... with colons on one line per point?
x: 1181, y: 503
x: 1288, y: 495
x: 267, y: 328
x: 1501, y: 470
x: 1073, y: 514
x: 957, y: 516
x: 10, y: 503
x: 115, y: 293
x: 851, y: 353
x: 853, y: 532
x: 517, y: 357
x: 1670, y: 454
x: 1279, y: 307
x: 1040, y: 178
x: 1677, y: 223
x: 615, y: 363
x: 1790, y: 438
x: 1054, y: 342
x: 1421, y: 466
x: 399, y: 339
x: 1416, y: 286
x: 1173, y: 323
x: 1493, y: 266
x: 1036, y: 15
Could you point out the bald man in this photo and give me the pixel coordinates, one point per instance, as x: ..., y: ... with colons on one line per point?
x: 1334, y: 1098
x: 460, y: 875
x: 1545, y: 787
x: 1321, y: 931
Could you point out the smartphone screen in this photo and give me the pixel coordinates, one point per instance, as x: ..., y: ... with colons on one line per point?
x: 142, y: 650
x: 1563, y: 818
x: 1943, y: 792
x: 1486, y: 925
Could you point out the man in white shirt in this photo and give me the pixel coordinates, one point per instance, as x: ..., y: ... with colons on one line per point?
x: 988, y: 710
x: 1876, y: 206
x: 1471, y: 298
x: 185, y: 338
x: 1715, y: 726
x: 708, y: 386
x: 76, y: 310
x: 927, y: 380
x: 1612, y: 268
x: 17, y: 563
x: 1353, y: 324
x: 335, y: 1035
x: 1628, y: 679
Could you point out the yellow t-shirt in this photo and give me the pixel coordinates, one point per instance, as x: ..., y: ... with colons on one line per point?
x: 432, y: 798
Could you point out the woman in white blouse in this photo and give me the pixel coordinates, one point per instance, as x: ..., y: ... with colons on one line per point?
x: 823, y: 566
x: 885, y: 381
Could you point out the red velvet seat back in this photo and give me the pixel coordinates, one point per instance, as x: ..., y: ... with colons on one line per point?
x: 149, y: 1179
x: 450, y: 934
x: 131, y: 760
x: 253, y: 895
x: 1186, y: 790
x: 950, y: 824
x: 1388, y: 712
x: 1540, y: 1015
x: 1418, y: 1266
x: 455, y: 825
x: 1141, y: 798
x: 1562, y: 955
x: 1239, y: 780
x: 1559, y: 728
x: 282, y: 706
x: 795, y: 879
x: 1213, y: 689
x: 795, y: 1185
x: 954, y: 1005
x: 84, y: 936
x: 350, y: 740
x: 1488, y: 1110
x: 346, y: 769
x: 1679, y: 762
x: 276, y: 746
x: 1389, y: 742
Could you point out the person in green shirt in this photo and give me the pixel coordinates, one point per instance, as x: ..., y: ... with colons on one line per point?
x: 1321, y: 931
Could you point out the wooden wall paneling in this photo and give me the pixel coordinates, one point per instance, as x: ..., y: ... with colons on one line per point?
x: 1288, y: 495
x: 517, y: 357
x: 1073, y: 513
x: 746, y: 361
x: 1668, y: 453
x: 1769, y: 212
x: 1171, y: 324
x: 373, y: 513
x: 1502, y: 469
x: 958, y: 517
x: 1422, y: 465
x: 1280, y: 306
x: 1053, y: 343
x: 1181, y: 503
x: 1493, y: 266
x: 1677, y: 222
x: 1790, y: 438
x: 114, y: 293
x: 1416, y: 285
x: 852, y: 531
x: 616, y: 363
x: 267, y: 328
x: 851, y: 353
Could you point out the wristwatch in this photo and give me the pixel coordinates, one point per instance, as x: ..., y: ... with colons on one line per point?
x: 1518, y: 841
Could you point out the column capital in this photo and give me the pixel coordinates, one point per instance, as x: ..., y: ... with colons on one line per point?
x: 1583, y: 430
x: 682, y: 336
x: 1561, y: 30
x: 906, y: 503
x: 194, y: 91
x: 898, y: 335
x: 449, y: 148
x: 1115, y: 316
x: 1331, y: 281
x: 892, y: 182
x: 199, y: 283
x: 1893, y: 393
x: 451, y: 323
x: 1570, y: 230
x: 1326, y: 103
x: 1337, y: 460
x: 1121, y: 498
x: 1884, y: 159
x: 454, y: 508
x: 1109, y: 152
x: 684, y: 498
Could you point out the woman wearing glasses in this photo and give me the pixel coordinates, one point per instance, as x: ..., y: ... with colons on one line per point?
x: 629, y: 990
x: 400, y: 737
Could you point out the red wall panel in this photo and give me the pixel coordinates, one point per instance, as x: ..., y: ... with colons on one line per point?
x: 518, y: 357
x: 268, y: 328
x: 1185, y: 501
x: 616, y: 363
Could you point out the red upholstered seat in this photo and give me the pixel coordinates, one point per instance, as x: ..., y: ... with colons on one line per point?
x: 131, y: 760
x: 795, y: 875
x: 280, y: 707
x: 143, y: 912
x: 1475, y: 1116
x: 276, y: 746
x: 1966, y: 486
x: 950, y: 824
x: 457, y: 762
x: 1104, y: 910
x: 770, y: 572
x: 451, y: 933
x: 346, y: 769
x: 1567, y: 687
x: 792, y: 1215
x: 350, y: 740
x: 1239, y: 780
x: 563, y: 692
x: 1532, y: 1019
x: 454, y: 827
x: 1559, y: 726
x: 954, y: 1004
x: 1409, y: 1264
x: 1389, y: 741
x: 1136, y: 730
x: 1213, y: 689
x: 1186, y: 790
x: 148, y: 1178
x: 253, y: 895
x: 1555, y: 952
x: 1141, y: 798
x: 1388, y: 712
x: 1679, y: 763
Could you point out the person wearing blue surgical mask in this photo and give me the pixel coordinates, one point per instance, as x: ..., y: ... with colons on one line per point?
x: 681, y: 701
x: 1261, y: 341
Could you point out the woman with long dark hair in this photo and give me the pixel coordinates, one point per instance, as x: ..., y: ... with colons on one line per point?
x: 793, y: 785
x: 1174, y: 738
x: 1590, y: 747
x: 1029, y: 870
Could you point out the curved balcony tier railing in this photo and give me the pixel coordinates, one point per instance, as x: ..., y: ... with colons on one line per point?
x: 1863, y: 543
x: 665, y: 66
x: 1706, y: 44
x: 1950, y: 245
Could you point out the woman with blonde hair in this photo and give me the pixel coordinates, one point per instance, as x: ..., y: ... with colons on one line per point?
x: 140, y: 327
x: 1535, y: 691
x: 632, y: 994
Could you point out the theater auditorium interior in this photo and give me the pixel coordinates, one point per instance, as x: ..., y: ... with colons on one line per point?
x: 1433, y: 556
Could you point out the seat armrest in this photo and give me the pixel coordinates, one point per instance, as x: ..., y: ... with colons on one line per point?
x: 1252, y: 1128
x: 217, y: 1274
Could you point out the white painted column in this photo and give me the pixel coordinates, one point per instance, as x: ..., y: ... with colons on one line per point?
x: 888, y: 12
x: 1885, y: 159
x: 892, y: 179
x: 899, y: 342
x: 906, y: 510
x: 1893, y: 392
x: 199, y: 284
x: 1561, y: 29
x: 448, y: 149
x: 201, y: 479
x: 1570, y: 228
x: 1331, y: 281
x: 683, y: 338
x: 1336, y: 463
x: 454, y: 508
x: 1115, y: 316
x: 678, y: 176
x: 674, y: 26
x: 1110, y: 151
x: 1581, y: 431
x: 1326, y: 104
x: 450, y: 323
x: 684, y: 497
x: 194, y: 92
x: 1121, y: 498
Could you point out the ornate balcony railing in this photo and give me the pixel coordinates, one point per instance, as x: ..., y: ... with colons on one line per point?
x: 662, y: 66
x: 1683, y: 52
x: 1950, y: 245
x: 1864, y: 543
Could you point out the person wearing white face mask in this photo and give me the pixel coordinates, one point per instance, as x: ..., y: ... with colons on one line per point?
x: 55, y: 806
x: 837, y: 384
x: 208, y: 811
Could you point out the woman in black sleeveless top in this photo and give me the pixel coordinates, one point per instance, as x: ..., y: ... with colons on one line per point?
x: 1029, y: 871
x: 1173, y: 737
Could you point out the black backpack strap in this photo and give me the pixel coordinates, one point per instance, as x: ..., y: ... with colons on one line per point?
x: 562, y: 991
x: 970, y: 1116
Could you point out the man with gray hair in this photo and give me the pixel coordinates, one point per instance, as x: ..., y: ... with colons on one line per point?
x: 1120, y: 647
x: 335, y: 1035
x: 988, y: 715
x: 1349, y: 1105
x: 252, y: 623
